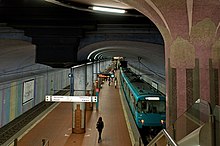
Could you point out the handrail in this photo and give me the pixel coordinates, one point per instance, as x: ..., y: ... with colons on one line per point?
x: 197, y: 114
x: 171, y: 141
x: 201, y: 111
x: 45, y: 142
x: 160, y: 135
x: 156, y: 138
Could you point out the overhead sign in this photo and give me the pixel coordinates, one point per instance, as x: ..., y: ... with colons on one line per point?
x: 59, y: 98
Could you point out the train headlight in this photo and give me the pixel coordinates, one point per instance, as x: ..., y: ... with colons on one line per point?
x: 162, y: 122
x: 142, y: 122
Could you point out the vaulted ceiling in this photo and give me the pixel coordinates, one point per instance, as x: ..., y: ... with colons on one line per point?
x: 68, y: 32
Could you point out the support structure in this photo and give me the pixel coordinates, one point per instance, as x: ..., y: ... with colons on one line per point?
x: 78, y: 110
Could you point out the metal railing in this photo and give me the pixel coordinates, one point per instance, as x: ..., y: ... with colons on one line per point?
x: 194, y: 117
x: 45, y: 142
x: 162, y: 138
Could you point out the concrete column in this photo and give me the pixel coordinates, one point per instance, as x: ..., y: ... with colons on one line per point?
x: 89, y: 77
x: 102, y: 66
x: 89, y: 85
x: 98, y: 66
x: 79, y: 108
x: 95, y: 70
x: 92, y: 66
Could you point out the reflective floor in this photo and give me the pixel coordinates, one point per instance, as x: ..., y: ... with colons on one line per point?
x: 57, y: 125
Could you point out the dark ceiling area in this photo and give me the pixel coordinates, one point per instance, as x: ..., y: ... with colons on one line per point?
x: 57, y: 30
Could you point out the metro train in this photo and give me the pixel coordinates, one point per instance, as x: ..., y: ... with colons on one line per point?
x: 147, y: 104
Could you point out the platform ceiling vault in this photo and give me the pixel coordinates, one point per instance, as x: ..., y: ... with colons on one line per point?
x: 68, y: 32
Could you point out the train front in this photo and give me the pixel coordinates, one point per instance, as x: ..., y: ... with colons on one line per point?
x: 151, y: 114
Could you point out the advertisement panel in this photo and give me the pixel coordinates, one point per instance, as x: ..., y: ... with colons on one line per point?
x: 28, y: 91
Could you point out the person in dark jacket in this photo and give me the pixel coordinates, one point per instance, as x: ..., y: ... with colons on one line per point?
x: 99, y: 127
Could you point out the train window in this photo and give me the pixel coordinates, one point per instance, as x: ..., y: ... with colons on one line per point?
x: 157, y: 106
x: 142, y: 106
x: 152, y: 106
x: 139, y: 107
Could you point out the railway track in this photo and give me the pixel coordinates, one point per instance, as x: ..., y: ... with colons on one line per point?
x: 10, y: 129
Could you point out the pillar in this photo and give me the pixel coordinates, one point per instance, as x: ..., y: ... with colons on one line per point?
x: 78, y: 117
x: 89, y: 85
x: 193, y: 69
x: 95, y: 69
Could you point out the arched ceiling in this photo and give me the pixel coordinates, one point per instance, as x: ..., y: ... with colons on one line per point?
x: 49, y: 27
x: 152, y: 55
x: 129, y: 49
x: 104, y: 3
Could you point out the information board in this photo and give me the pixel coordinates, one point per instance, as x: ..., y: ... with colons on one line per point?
x: 59, y: 98
x: 28, y: 91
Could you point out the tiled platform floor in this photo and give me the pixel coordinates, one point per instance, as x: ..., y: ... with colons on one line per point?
x: 57, y: 126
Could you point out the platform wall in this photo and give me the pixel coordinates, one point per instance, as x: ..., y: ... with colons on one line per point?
x: 19, y: 95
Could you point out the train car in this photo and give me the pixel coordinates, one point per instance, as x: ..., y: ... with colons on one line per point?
x: 147, y: 104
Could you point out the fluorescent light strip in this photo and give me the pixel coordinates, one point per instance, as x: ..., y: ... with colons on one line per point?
x: 104, y: 9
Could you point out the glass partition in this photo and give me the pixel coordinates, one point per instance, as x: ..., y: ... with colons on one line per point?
x: 197, y: 126
x: 193, y: 118
x: 217, y: 124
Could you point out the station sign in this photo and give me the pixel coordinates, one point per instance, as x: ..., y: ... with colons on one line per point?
x: 59, y: 98
x: 103, y: 75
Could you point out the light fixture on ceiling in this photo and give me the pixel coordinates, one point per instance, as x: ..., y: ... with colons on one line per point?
x: 105, y: 9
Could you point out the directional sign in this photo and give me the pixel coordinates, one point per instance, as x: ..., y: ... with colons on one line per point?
x: 59, y: 98
x: 94, y: 98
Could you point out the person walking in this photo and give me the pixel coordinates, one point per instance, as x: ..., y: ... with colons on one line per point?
x: 109, y: 81
x: 99, y: 127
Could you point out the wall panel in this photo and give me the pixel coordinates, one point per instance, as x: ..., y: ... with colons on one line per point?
x: 11, y: 93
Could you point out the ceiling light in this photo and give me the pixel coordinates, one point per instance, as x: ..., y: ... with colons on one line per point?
x: 105, y: 9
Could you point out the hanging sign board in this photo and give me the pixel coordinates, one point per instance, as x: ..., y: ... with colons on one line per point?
x: 103, y: 75
x: 59, y: 98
